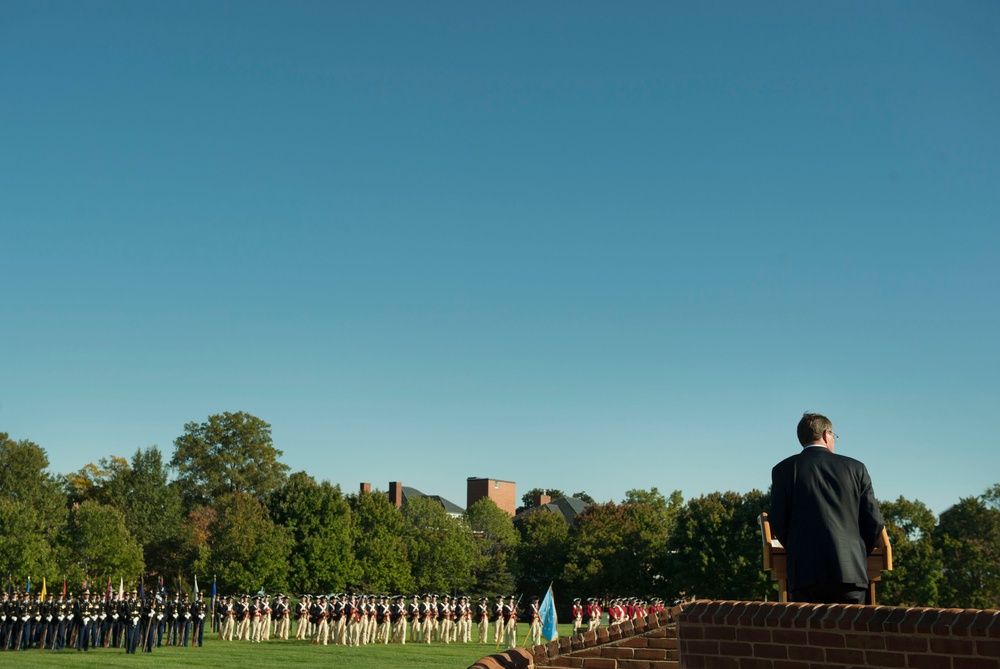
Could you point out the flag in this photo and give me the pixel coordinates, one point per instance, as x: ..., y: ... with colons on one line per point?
x: 549, y: 618
x: 121, y: 588
x: 213, y: 587
x: 142, y: 591
x: 28, y: 589
x: 10, y: 585
x: 196, y: 586
x: 107, y: 591
x: 64, y: 585
x: 44, y: 591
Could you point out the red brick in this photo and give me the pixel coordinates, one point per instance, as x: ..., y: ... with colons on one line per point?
x: 907, y: 644
x: 755, y: 663
x: 865, y: 641
x: 791, y: 611
x: 845, y: 616
x: 620, y: 653
x: 877, y: 622
x: 962, y: 623
x: 719, y: 662
x: 944, y: 622
x: 747, y: 613
x: 694, y: 662
x: 974, y: 663
x: 928, y: 662
x: 806, y: 653
x: 663, y: 643
x: 633, y: 664
x: 878, y: 658
x: 860, y: 621
x: 827, y: 639
x: 982, y: 623
x: 650, y: 654
x: 771, y: 650
x: 952, y: 646
x: 701, y: 648
x: 735, y: 648
x: 685, y: 631
x: 789, y: 664
x: 753, y: 634
x: 762, y: 613
x: 928, y: 621
x: 988, y: 648
x: 790, y: 637
x: 719, y: 632
x: 599, y: 663
x: 722, y: 609
x: 845, y: 656
x: 896, y: 617
x: 589, y: 652
x: 909, y: 623
x: 635, y: 642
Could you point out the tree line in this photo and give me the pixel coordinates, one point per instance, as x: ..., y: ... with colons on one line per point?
x: 225, y: 505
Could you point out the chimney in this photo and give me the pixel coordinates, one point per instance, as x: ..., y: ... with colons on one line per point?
x: 396, y: 493
x: 542, y: 499
x: 366, y: 488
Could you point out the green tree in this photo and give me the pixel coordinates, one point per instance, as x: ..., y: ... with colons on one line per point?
x: 248, y: 551
x: 917, y: 565
x: 585, y: 497
x: 440, y: 547
x: 715, y: 549
x: 496, y: 542
x: 542, y: 551
x: 968, y: 536
x: 380, y: 552
x: 33, y: 511
x: 100, y: 546
x: 613, y: 548
x: 229, y: 453
x: 319, y: 519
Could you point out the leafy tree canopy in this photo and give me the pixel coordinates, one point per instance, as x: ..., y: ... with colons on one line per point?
x: 229, y: 453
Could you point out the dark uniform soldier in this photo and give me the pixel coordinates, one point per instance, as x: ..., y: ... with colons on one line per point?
x: 198, y: 609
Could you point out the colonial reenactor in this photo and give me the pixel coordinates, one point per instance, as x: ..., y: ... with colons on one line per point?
x: 595, y: 614
x: 243, y: 619
x: 338, y: 621
x: 265, y: 618
x: 413, y: 610
x: 446, y: 619
x: 510, y: 630
x: 577, y: 612
x: 535, y: 630
x: 228, y: 620
x: 302, y: 618
x: 499, y: 621
x: 397, y: 618
x: 483, y: 617
x: 281, y: 615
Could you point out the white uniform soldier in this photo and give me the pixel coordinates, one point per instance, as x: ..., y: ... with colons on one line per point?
x: 510, y: 630
x: 499, y: 620
x: 535, y: 631
x: 483, y: 617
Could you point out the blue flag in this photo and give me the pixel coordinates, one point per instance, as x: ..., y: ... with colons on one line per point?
x: 549, y: 618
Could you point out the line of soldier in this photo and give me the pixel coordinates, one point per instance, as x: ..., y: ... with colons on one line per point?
x: 588, y: 616
x: 99, y: 621
x: 353, y: 620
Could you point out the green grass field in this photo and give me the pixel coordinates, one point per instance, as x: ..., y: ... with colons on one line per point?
x: 218, y: 655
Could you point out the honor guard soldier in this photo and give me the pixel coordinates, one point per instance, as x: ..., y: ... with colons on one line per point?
x: 483, y: 616
x: 535, y: 630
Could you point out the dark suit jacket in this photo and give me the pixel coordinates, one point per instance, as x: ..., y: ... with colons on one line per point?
x: 823, y: 511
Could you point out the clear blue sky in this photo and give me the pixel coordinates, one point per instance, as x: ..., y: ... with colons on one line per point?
x: 573, y: 245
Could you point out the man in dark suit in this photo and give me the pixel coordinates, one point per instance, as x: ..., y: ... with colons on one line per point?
x: 823, y: 510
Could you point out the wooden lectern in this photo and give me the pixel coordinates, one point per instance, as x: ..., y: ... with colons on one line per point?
x: 776, y: 560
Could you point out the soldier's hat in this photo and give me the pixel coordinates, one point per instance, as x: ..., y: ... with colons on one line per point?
x: 534, y: 599
x: 576, y: 599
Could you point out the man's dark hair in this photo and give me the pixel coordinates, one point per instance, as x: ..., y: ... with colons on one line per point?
x: 811, y: 428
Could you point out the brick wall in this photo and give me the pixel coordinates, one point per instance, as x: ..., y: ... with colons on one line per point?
x: 644, y: 643
x: 762, y: 635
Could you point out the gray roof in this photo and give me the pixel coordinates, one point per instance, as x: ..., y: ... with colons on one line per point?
x: 569, y: 507
x: 449, y: 507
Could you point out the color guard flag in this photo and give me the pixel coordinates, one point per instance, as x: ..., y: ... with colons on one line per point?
x: 44, y: 591
x: 549, y: 618
x: 196, y: 586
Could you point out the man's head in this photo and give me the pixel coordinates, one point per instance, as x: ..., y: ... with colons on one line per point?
x: 817, y: 429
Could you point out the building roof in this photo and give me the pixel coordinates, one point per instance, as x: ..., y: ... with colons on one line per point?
x: 449, y: 506
x: 569, y: 507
